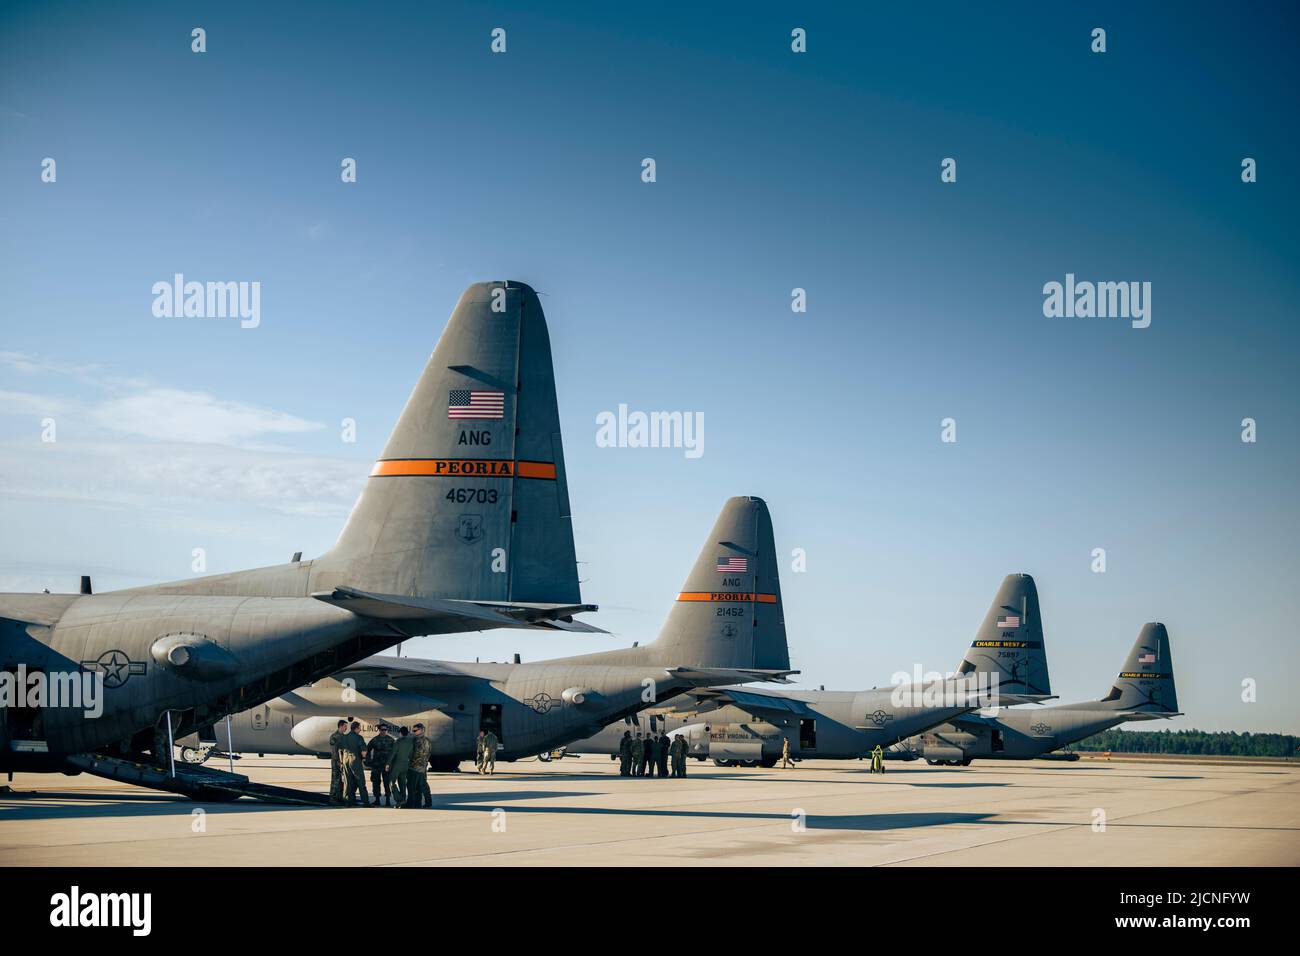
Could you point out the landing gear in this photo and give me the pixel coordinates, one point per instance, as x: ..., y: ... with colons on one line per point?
x: 767, y: 763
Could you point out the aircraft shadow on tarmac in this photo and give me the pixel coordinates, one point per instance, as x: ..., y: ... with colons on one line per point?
x: 957, y: 785
x: 67, y: 804
x: 861, y: 821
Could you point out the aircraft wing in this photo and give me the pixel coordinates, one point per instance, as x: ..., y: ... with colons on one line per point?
x: 40, y: 610
x: 412, y: 616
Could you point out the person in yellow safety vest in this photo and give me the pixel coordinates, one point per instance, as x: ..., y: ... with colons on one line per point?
x: 877, y: 760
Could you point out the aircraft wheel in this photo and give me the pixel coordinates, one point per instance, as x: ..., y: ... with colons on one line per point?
x: 966, y: 762
x: 194, y: 755
x: 932, y: 763
x: 724, y: 763
x: 544, y: 757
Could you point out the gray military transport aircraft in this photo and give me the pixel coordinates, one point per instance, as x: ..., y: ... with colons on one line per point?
x: 1144, y: 690
x: 463, y: 525
x: 727, y: 623
x: 1006, y: 663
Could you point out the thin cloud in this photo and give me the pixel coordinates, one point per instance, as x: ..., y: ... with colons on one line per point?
x: 172, y: 414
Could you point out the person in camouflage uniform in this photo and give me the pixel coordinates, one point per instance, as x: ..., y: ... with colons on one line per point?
x: 417, y: 775
x: 638, y: 749
x: 662, y: 746
x: 352, y: 750
x: 490, y: 745
x: 336, y: 763
x: 625, y: 755
x: 399, y: 762
x: 378, y: 751
x: 678, y: 752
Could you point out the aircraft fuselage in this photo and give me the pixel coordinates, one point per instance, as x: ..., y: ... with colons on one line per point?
x: 195, y: 656
x: 835, y: 725
x: 532, y: 709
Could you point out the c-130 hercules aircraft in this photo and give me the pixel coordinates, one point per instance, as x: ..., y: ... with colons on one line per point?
x: 746, y: 725
x: 1144, y: 690
x: 727, y: 623
x: 463, y: 525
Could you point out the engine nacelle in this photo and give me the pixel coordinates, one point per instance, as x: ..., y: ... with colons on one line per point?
x: 577, y: 696
x: 329, y: 699
x: 194, y: 655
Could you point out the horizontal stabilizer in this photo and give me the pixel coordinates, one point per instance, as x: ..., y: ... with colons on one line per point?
x: 559, y: 616
x: 1149, y: 714
x: 383, y: 667
x: 729, y: 675
x: 424, y: 612
x: 1007, y: 700
x: 760, y: 705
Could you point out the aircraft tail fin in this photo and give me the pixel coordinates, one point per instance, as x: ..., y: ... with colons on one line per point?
x: 469, y: 499
x: 1009, y: 643
x: 1146, y: 683
x: 729, y: 611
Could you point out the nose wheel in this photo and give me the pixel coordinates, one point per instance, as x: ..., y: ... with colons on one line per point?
x: 196, y: 755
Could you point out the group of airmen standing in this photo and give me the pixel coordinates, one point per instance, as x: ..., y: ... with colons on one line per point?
x: 642, y: 755
x: 398, y: 766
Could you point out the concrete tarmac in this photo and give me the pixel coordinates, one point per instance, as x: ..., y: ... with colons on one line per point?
x: 578, y: 811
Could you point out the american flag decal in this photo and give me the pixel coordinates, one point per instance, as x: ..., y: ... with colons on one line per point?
x: 1147, y: 659
x: 1009, y: 620
x: 464, y: 403
x: 733, y: 565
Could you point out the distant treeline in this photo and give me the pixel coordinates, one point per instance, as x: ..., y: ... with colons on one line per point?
x: 1220, y: 744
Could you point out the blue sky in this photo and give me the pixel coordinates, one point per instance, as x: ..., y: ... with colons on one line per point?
x: 775, y: 171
